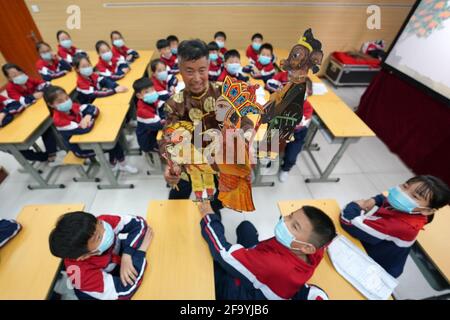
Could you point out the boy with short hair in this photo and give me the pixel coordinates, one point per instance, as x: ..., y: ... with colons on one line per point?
x: 220, y: 37
x: 232, y: 66
x: 215, y: 61
x: 166, y: 55
x: 173, y: 44
x: 264, y: 68
x: 253, y: 48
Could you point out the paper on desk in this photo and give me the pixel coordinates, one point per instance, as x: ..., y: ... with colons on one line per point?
x: 260, y: 96
x: 319, y: 88
x: 367, y: 276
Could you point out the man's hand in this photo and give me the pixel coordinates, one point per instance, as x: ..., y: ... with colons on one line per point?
x: 366, y: 205
x: 205, y: 208
x: 172, y: 176
x: 147, y: 240
x: 128, y: 273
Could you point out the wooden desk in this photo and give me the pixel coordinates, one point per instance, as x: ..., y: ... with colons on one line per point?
x: 180, y: 265
x: 325, y: 275
x: 27, y: 268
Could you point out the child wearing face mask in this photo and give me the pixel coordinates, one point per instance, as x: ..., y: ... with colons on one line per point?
x: 232, y: 66
x: 264, y: 68
x: 166, y: 55
x: 149, y: 114
x: 119, y: 49
x: 99, y: 264
x: 215, y: 61
x: 253, y: 48
x: 163, y: 82
x: 274, y: 269
x: 219, y: 38
x: 66, y: 49
x: 50, y: 66
x: 108, y: 65
x: 389, y: 233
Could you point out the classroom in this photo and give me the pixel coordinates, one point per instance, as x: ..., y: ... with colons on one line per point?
x: 210, y: 150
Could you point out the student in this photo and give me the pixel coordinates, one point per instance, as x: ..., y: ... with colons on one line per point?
x: 66, y: 50
x: 104, y: 256
x: 119, y: 49
x: 277, y: 268
x: 8, y: 108
x: 27, y: 91
x: 163, y: 82
x: 166, y: 55
x: 108, y: 65
x: 72, y: 118
x: 215, y: 62
x: 50, y: 66
x: 220, y: 37
x: 253, y: 49
x: 90, y: 85
x: 149, y: 120
x: 264, y: 68
x: 389, y: 233
x: 173, y: 44
x: 8, y: 230
x: 279, y: 80
x: 293, y: 148
x: 232, y: 66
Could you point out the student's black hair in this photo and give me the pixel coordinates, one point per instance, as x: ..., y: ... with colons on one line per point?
x: 154, y: 63
x: 39, y: 44
x: 115, y: 32
x: 51, y: 92
x: 60, y: 32
x: 267, y: 46
x: 142, y: 84
x: 257, y: 35
x: 8, y: 66
x: 213, y: 46
x: 220, y: 34
x: 77, y: 59
x: 191, y: 50
x: 324, y: 230
x: 99, y: 43
x: 162, y: 43
x: 233, y: 53
x: 72, y: 232
x: 172, y: 38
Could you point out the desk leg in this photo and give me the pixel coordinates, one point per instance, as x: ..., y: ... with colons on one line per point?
x: 104, y: 164
x: 42, y: 183
x: 258, y: 177
x: 124, y: 144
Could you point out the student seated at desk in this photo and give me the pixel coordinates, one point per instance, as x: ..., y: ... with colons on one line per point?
x: 120, y: 50
x: 108, y: 65
x: 149, y: 114
x: 8, y: 108
x: 173, y: 44
x: 72, y: 118
x: 90, y: 85
x: 66, y: 49
x: 264, y: 68
x: 166, y: 55
x: 389, y: 233
x: 163, y: 82
x: 278, y: 81
x: 277, y: 268
x: 8, y: 230
x: 253, y: 49
x: 50, y: 66
x: 99, y: 264
x: 215, y: 61
x: 232, y: 66
x: 220, y: 37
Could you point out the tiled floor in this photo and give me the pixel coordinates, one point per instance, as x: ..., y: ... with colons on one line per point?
x: 367, y: 168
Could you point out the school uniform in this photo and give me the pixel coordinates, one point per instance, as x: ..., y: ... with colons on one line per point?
x: 162, y: 87
x: 278, y: 81
x: 251, y: 54
x: 148, y: 124
x: 171, y: 63
x: 98, y: 277
x: 238, y: 76
x: 124, y: 51
x: 267, y: 71
x: 67, y: 54
x: 8, y: 230
x: 9, y: 108
x: 252, y: 270
x: 94, y: 86
x: 112, y: 69
x: 222, y: 52
x: 387, y: 235
x: 215, y: 69
x: 54, y: 69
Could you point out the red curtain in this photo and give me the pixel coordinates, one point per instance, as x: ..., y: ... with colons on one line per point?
x: 411, y: 123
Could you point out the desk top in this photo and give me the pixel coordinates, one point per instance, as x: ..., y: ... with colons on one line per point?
x: 27, y: 268
x: 180, y: 265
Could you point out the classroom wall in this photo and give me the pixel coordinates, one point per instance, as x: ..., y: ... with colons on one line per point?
x: 3, y: 80
x: 339, y: 24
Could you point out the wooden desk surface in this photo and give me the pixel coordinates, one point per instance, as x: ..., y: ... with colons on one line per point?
x: 325, y: 275
x: 27, y: 268
x: 435, y: 240
x: 180, y: 265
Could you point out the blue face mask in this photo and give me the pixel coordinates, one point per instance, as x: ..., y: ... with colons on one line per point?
x: 20, y: 79
x: 221, y: 44
x: 256, y: 46
x: 264, y: 60
x: 118, y: 43
x: 174, y: 50
x: 233, y: 68
x: 46, y: 56
x: 66, y: 106
x: 107, y: 56
x: 108, y: 238
x: 66, y: 43
x: 213, y: 56
x: 86, y: 71
x: 151, y: 98
x: 401, y: 201
x: 284, y: 236
x: 162, y: 76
